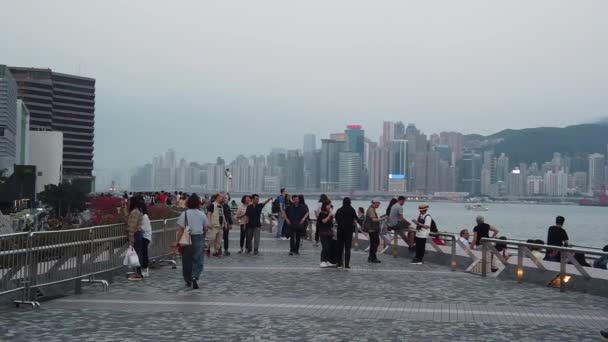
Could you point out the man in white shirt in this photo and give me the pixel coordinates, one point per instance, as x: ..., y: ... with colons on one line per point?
x: 464, y: 238
x: 423, y: 228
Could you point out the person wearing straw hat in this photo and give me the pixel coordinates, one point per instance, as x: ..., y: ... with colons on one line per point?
x: 423, y: 228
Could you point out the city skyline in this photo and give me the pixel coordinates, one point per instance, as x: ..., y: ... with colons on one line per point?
x: 203, y: 76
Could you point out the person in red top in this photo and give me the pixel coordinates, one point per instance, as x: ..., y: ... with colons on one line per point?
x: 163, y: 198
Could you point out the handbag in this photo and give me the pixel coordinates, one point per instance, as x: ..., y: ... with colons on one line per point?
x: 131, y: 259
x: 185, y: 239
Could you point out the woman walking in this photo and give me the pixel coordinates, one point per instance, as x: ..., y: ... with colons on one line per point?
x: 242, y: 219
x: 194, y: 223
x: 347, y: 220
x: 146, y: 228
x: 324, y: 224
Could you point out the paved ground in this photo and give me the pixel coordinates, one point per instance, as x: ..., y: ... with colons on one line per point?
x: 277, y: 297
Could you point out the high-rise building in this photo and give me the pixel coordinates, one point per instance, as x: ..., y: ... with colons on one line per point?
x: 433, y: 172
x: 597, y: 170
x: 310, y: 143
x: 295, y: 170
x: 312, y: 169
x: 378, y: 167
x: 388, y: 133
x: 46, y: 153
x: 22, y: 140
x: 355, y: 139
x: 8, y: 120
x: 470, y: 172
x: 398, y: 166
x: 399, y: 131
x: 516, y: 183
x: 556, y: 183
x: 141, y: 180
x: 330, y: 154
x: 64, y: 103
x: 338, y: 136
x: 502, y: 168
x: 349, y: 171
x: 455, y: 140
x: 535, y: 185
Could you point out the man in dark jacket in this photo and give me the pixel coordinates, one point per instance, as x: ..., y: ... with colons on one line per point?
x: 227, y: 223
x: 347, y: 221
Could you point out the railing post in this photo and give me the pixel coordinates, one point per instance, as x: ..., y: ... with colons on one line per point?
x: 520, y: 264
x: 484, y: 258
x: 453, y: 262
x: 562, y: 271
x: 32, y: 270
x: 395, y: 243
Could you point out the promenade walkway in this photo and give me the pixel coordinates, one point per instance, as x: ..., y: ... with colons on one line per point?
x: 277, y: 297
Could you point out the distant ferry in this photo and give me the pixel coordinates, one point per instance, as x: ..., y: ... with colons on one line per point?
x: 601, y: 201
x: 477, y: 207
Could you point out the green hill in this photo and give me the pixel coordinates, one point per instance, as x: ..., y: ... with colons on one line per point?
x: 538, y: 144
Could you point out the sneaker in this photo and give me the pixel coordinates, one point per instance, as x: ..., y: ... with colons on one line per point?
x: 195, y: 284
x: 347, y: 267
x: 385, y: 249
x: 376, y: 261
x: 145, y: 273
x: 329, y: 264
x: 135, y: 277
x: 256, y: 253
x: 367, y: 249
x: 226, y: 253
x: 240, y: 252
x: 316, y: 244
x: 188, y: 284
x: 290, y: 253
x: 339, y: 266
x: 323, y: 265
x: 296, y: 253
x: 416, y: 262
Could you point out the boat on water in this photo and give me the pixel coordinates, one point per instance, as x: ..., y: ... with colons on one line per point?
x: 477, y: 207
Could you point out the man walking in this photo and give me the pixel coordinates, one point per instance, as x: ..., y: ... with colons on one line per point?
x: 372, y: 226
x: 217, y: 222
x: 295, y: 217
x: 398, y: 223
x: 228, y: 223
x: 254, y: 225
x: 279, y: 210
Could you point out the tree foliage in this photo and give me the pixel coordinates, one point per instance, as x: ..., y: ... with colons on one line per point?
x: 63, y: 198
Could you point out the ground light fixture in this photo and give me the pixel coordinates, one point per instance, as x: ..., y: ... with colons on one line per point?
x: 556, y: 282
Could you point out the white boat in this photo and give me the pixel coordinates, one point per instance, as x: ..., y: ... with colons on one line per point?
x: 477, y: 207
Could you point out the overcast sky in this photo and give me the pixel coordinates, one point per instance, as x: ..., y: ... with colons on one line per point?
x: 226, y: 77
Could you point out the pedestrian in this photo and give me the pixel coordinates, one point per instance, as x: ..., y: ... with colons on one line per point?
x: 194, y: 222
x: 322, y: 199
x: 556, y: 236
x: 254, y: 224
x: 482, y: 230
x: 372, y: 226
x: 227, y: 223
x: 217, y: 222
x: 423, y: 229
x: 325, y: 221
x: 135, y: 234
x: 398, y: 223
x: 347, y: 219
x: 242, y: 219
x: 295, y: 219
x: 146, y: 228
x: 278, y: 209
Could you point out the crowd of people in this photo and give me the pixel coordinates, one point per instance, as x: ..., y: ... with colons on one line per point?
x: 212, y: 217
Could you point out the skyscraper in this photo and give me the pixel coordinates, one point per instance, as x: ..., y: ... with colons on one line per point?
x: 310, y: 143
x: 8, y: 120
x: 349, y: 170
x: 65, y: 103
x: 399, y: 131
x: 355, y: 139
x: 502, y: 168
x: 330, y: 161
x: 295, y: 170
x: 378, y: 167
x: 455, y: 140
x: 388, y: 133
x: 597, y: 162
x: 470, y: 171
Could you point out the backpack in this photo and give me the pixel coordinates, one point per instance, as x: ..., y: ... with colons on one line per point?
x: 276, y: 206
x: 433, y: 224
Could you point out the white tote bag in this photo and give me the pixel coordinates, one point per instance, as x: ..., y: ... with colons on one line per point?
x: 131, y: 259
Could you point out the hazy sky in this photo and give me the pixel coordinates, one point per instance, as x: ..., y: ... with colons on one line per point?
x: 226, y: 77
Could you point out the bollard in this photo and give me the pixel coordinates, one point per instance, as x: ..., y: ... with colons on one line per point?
x: 520, y: 264
x: 484, y: 258
x: 453, y: 262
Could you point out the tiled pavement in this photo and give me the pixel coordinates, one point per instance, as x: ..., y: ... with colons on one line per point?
x: 277, y: 297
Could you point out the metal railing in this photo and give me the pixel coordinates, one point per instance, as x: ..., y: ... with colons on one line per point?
x: 30, y: 261
x: 566, y: 256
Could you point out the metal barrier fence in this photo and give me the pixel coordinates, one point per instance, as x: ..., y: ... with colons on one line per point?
x: 524, y: 250
x: 30, y: 261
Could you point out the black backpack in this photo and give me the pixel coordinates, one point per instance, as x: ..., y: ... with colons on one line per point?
x: 276, y: 206
x: 433, y: 224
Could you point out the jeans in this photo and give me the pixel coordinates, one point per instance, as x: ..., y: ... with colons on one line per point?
x: 280, y: 224
x: 243, y: 236
x: 345, y: 241
x: 326, y: 248
x: 253, y: 235
x: 374, y: 242
x: 192, y: 259
x: 294, y: 238
x: 420, y: 248
x: 226, y: 239
x: 145, y: 261
x: 138, y: 245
